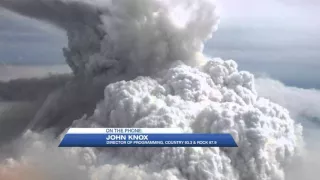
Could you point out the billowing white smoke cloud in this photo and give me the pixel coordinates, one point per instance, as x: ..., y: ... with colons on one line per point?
x: 162, y: 39
x: 215, y: 98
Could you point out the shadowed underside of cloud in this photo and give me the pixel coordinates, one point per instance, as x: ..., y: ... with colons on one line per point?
x: 22, y: 99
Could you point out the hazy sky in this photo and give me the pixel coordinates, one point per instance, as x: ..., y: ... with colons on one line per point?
x: 23, y: 40
x: 280, y: 38
x: 293, y: 12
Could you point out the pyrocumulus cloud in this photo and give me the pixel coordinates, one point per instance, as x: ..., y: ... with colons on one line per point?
x: 158, y: 44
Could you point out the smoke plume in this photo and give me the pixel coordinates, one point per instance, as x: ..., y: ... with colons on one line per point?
x: 149, y: 54
x: 135, y: 37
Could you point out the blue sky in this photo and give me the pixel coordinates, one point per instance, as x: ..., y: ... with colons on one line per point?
x: 278, y: 38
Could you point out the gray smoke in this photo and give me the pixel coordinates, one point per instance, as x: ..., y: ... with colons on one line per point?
x: 120, y: 36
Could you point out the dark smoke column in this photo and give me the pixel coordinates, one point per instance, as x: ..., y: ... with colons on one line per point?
x: 80, y: 20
